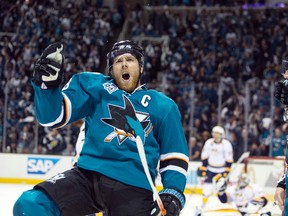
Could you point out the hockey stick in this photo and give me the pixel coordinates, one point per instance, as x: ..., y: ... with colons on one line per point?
x: 142, y: 155
x: 240, y: 159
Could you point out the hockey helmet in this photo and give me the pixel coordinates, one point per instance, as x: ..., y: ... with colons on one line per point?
x: 125, y: 46
x: 220, y: 130
x: 243, y: 180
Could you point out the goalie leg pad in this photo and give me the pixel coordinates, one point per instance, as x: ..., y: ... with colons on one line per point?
x: 255, y: 205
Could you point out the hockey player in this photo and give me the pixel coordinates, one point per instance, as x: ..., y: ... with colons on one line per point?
x: 217, y: 157
x: 249, y: 198
x: 281, y: 94
x: 116, y: 109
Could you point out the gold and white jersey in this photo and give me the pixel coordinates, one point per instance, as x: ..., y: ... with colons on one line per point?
x: 217, y: 154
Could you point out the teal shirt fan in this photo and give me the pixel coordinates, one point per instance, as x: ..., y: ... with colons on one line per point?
x: 113, y: 118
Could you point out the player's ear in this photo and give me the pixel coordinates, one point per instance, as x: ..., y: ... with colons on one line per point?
x: 141, y: 69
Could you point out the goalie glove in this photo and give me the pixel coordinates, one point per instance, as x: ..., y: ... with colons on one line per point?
x: 202, y: 171
x: 48, y: 70
x: 173, y: 201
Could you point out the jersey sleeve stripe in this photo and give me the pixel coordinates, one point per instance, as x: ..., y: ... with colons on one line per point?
x: 174, y: 155
x: 174, y: 162
x: 50, y: 124
x: 64, y: 116
x: 67, y: 112
x: 174, y: 168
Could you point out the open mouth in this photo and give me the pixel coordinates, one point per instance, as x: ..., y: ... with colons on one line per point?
x: 126, y: 76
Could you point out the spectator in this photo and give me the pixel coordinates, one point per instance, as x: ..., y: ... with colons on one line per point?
x: 195, y: 149
x: 255, y: 149
x: 54, y: 142
x: 12, y: 148
x: 40, y: 149
x: 25, y: 141
x: 278, y: 142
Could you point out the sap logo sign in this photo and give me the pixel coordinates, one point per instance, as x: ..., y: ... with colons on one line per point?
x: 40, y: 165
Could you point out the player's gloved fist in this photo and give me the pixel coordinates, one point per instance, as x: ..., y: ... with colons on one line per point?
x: 202, y: 171
x: 281, y: 91
x: 173, y: 201
x: 48, y: 70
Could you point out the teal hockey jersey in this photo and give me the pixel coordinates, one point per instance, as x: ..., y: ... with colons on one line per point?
x: 110, y: 115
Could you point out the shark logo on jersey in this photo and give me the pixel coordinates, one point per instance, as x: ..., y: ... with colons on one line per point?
x: 127, y: 122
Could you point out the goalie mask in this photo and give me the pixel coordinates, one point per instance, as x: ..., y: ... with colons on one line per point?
x: 122, y: 47
x: 243, y: 180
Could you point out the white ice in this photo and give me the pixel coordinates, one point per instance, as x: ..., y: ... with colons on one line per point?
x: 8, y: 195
x: 10, y: 192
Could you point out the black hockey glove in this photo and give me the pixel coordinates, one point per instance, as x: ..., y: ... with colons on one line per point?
x: 173, y: 201
x: 48, y: 70
x: 281, y: 91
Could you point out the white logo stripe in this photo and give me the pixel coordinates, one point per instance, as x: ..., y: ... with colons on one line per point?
x: 58, y: 120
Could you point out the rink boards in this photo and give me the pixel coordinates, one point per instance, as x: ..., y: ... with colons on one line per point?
x: 33, y: 168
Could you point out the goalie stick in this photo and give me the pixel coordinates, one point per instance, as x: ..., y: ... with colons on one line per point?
x: 240, y: 159
x: 142, y: 155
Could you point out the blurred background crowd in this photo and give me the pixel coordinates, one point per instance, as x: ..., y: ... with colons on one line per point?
x: 218, y: 60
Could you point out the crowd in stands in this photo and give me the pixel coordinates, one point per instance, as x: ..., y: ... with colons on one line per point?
x: 203, y: 50
x: 232, y: 47
x: 27, y: 27
x: 199, y: 3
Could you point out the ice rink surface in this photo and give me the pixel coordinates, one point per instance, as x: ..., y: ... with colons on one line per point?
x: 8, y: 195
x: 10, y: 192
